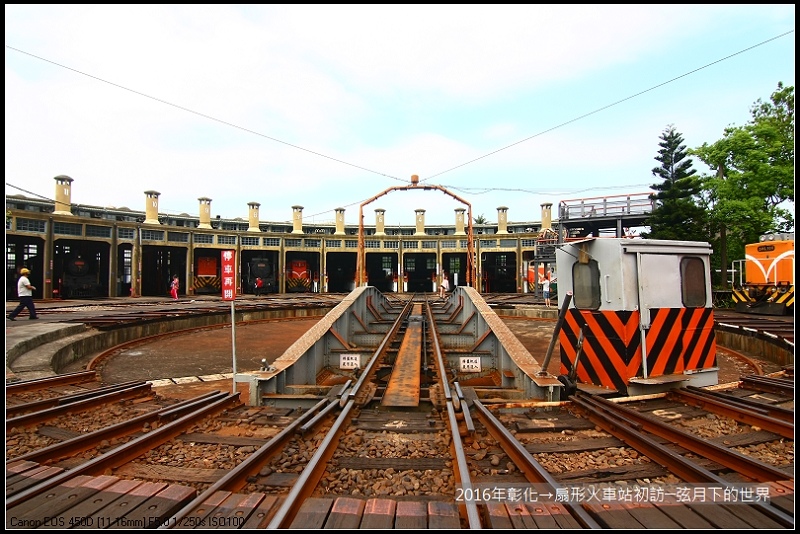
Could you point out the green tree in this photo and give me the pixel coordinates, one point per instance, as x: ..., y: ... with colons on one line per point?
x: 752, y: 180
x: 676, y: 213
x: 480, y: 219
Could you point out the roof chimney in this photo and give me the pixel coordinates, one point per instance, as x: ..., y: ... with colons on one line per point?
x: 297, y: 219
x: 460, y: 221
x: 205, y: 213
x: 151, y: 208
x: 63, y: 195
x: 253, y: 217
x: 379, y: 221
x: 339, y: 221
x: 420, y: 222
x: 502, y: 220
x: 547, y: 216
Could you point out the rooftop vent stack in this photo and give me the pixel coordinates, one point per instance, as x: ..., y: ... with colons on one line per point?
x: 380, y: 221
x: 297, y: 219
x: 63, y: 195
x: 151, y: 207
x: 420, y: 222
x: 339, y: 221
x: 252, y: 217
x: 460, y: 221
x: 205, y: 212
x: 502, y: 220
x: 547, y: 216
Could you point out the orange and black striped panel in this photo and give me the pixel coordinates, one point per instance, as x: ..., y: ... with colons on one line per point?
x: 611, y: 347
x: 207, y: 284
x: 680, y: 339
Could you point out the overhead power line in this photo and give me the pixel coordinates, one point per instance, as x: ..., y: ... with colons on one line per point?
x: 598, y: 110
x: 480, y: 191
x: 204, y: 115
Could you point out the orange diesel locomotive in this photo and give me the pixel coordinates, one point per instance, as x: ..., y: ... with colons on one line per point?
x: 298, y: 277
x: 768, y: 286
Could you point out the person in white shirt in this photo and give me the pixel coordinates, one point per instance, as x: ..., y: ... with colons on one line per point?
x: 444, y: 286
x: 25, y: 292
x: 546, y: 291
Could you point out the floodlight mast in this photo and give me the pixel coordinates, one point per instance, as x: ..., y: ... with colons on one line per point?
x: 361, y: 264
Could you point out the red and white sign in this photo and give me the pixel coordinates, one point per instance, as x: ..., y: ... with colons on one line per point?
x: 228, y: 275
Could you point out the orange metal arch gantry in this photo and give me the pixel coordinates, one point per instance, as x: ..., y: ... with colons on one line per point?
x: 361, y: 268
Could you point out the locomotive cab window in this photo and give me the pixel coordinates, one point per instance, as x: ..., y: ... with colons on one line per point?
x: 586, y: 285
x: 693, y: 282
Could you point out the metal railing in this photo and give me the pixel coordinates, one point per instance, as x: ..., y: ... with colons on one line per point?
x: 606, y: 206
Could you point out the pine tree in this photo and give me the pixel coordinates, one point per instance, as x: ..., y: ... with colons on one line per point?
x: 676, y: 213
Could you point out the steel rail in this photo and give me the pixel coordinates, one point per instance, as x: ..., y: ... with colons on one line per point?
x: 462, y: 469
x: 309, y: 478
x: 33, y: 418
x: 628, y: 421
x: 238, y: 476
x: 769, y: 385
x: 382, y: 347
x: 43, y: 383
x: 730, y: 458
x: 85, y: 442
x: 613, y: 419
x: 772, y: 418
x: 528, y: 465
x: 778, y: 412
x: 128, y: 451
x: 43, y: 404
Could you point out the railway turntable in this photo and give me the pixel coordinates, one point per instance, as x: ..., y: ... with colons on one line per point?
x: 370, y: 338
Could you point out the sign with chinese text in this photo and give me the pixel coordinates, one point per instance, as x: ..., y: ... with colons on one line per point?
x: 349, y: 361
x: 470, y: 364
x: 228, y: 275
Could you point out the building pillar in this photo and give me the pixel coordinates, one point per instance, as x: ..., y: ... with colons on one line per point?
x: 136, y: 264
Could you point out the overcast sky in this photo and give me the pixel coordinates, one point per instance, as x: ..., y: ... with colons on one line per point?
x: 328, y: 106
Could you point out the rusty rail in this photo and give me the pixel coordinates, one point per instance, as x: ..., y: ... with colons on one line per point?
x: 628, y: 424
x: 38, y: 384
x: 127, y: 452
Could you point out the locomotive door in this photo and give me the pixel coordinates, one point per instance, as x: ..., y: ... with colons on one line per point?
x: 675, y: 316
x: 658, y: 284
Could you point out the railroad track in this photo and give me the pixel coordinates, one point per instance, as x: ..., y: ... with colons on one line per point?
x: 396, y: 445
x: 781, y: 327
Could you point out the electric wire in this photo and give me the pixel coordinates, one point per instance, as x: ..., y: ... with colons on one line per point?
x: 386, y: 175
